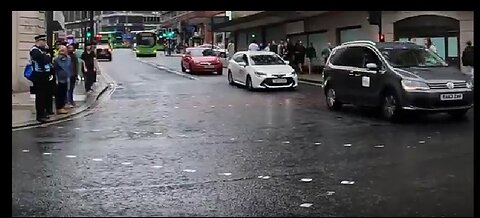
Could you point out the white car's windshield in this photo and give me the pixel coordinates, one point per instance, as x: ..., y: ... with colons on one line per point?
x: 418, y: 57
x: 266, y: 59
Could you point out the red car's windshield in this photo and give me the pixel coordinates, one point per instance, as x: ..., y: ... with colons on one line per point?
x: 201, y: 52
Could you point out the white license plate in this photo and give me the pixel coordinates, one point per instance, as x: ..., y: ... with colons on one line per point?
x: 279, y: 80
x: 209, y: 66
x: 455, y: 96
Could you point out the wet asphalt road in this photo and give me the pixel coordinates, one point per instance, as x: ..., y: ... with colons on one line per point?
x: 165, y: 145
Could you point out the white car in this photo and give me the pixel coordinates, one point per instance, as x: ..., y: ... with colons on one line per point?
x: 261, y: 70
x: 222, y: 52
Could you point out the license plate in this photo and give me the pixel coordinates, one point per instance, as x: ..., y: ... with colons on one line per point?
x: 279, y: 80
x: 209, y: 66
x: 448, y: 97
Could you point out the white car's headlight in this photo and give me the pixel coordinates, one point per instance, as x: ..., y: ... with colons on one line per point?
x: 260, y: 74
x: 410, y: 85
x: 469, y: 85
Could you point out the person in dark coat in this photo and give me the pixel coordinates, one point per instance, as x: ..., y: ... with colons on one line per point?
x: 467, y: 57
x: 42, y: 77
x: 299, y: 55
x: 290, y: 52
x: 73, y: 78
x: 311, y: 55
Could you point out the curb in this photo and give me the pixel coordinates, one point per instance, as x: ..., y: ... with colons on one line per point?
x: 163, y: 67
x: 89, y: 103
x: 311, y: 81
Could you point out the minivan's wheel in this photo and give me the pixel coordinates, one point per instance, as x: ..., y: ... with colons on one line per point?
x: 230, y: 78
x: 249, y: 83
x: 390, y: 107
x: 332, y: 101
x: 458, y: 113
x: 183, y: 68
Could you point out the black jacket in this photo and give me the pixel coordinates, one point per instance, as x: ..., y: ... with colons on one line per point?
x: 467, y: 56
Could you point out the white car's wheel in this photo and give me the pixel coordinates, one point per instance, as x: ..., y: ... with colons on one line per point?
x: 249, y: 84
x: 230, y: 78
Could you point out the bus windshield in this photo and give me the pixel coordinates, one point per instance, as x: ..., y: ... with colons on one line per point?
x: 146, y: 39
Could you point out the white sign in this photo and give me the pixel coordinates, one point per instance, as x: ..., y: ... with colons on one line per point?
x: 365, y: 81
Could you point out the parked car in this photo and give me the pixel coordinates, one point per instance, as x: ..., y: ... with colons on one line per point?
x: 396, y: 77
x: 261, y: 70
x: 201, y: 60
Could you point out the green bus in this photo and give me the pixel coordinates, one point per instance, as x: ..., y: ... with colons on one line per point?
x: 114, y: 38
x: 146, y: 44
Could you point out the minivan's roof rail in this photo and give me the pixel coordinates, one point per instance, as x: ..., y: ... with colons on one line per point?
x: 358, y: 42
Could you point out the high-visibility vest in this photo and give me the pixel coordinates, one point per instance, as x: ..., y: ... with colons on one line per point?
x: 55, y: 52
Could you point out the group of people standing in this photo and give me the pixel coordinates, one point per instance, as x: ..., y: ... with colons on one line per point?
x: 297, y: 54
x: 55, y: 74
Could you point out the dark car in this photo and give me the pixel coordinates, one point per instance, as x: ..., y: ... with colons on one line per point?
x: 104, y: 52
x: 396, y: 77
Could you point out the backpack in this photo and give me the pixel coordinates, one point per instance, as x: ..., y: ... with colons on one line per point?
x: 28, y: 71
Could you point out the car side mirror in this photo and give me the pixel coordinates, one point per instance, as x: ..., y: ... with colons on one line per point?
x: 242, y: 64
x: 372, y: 66
x: 287, y: 62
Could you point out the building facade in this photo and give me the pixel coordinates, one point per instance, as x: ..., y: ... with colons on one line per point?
x: 124, y: 21
x: 25, y: 26
x: 193, y: 27
x: 449, y: 30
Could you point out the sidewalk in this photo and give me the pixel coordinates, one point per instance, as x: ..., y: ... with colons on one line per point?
x: 312, y: 78
x: 23, y: 104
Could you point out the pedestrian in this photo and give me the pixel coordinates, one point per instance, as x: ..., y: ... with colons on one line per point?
x: 73, y: 79
x: 267, y: 47
x: 273, y: 47
x: 311, y: 55
x: 429, y: 45
x: 281, y: 49
x: 41, y: 77
x: 230, y: 49
x: 89, y: 69
x: 326, y: 52
x: 253, y: 46
x: 467, y: 58
x: 290, y: 52
x: 63, y: 69
x: 299, y: 55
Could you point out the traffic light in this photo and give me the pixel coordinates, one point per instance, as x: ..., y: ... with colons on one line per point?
x: 89, y: 33
x: 381, y: 38
x: 375, y: 17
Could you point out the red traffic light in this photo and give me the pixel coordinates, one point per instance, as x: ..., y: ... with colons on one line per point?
x: 98, y: 36
x: 381, y: 38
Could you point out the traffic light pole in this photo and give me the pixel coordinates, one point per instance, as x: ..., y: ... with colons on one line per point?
x: 92, y: 31
x: 213, y: 34
x: 49, y: 19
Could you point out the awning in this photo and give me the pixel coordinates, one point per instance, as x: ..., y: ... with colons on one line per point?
x: 264, y: 19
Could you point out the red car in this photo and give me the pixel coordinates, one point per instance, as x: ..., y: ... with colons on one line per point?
x: 201, y: 60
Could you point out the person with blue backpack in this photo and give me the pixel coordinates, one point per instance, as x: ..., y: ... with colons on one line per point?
x: 40, y: 72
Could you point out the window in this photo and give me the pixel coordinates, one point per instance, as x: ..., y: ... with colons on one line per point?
x: 369, y: 56
x: 238, y: 58
x: 336, y: 57
x: 353, y: 57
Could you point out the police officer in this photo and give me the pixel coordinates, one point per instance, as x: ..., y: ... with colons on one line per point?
x: 42, y: 78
